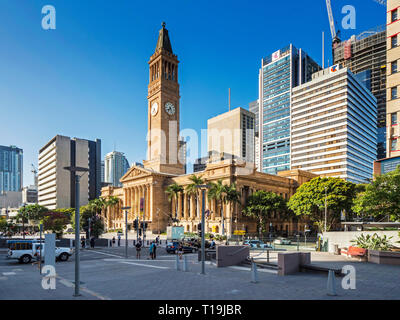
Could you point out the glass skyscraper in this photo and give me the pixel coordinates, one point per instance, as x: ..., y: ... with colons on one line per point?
x: 115, y: 166
x: 279, y: 73
x: 11, y: 162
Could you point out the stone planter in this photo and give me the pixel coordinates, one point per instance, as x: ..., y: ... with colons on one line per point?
x: 384, y: 257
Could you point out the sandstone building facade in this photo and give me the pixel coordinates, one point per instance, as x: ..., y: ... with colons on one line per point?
x: 163, y: 167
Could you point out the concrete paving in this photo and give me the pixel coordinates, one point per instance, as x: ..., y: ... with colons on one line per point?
x: 106, y: 274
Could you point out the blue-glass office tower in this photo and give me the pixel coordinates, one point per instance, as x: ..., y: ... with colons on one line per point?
x: 11, y: 162
x: 279, y: 73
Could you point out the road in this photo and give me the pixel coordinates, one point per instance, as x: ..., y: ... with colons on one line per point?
x: 107, y: 275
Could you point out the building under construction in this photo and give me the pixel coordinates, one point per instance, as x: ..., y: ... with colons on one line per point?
x: 365, y: 55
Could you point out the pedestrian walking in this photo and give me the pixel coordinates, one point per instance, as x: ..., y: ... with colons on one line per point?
x: 113, y: 242
x: 151, y: 251
x: 92, y: 242
x: 119, y: 240
x: 154, y: 250
x: 138, y: 249
x: 157, y: 239
x: 83, y: 241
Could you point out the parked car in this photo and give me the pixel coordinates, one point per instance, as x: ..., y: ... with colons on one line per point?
x: 283, y: 241
x: 256, y: 244
x: 173, y: 246
x: 25, y: 250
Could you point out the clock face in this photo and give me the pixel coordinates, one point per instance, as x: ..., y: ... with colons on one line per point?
x: 170, y: 108
x: 154, y: 108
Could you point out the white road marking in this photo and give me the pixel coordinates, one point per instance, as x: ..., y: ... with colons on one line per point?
x: 70, y: 284
x: 108, y: 254
x: 9, y: 273
x: 3, y: 278
x: 143, y: 265
x: 249, y: 269
x: 18, y: 270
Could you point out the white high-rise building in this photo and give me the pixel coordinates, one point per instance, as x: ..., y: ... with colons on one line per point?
x: 115, y: 166
x: 56, y: 186
x: 333, y: 126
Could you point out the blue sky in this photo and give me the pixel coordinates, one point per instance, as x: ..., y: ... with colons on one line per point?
x: 88, y: 78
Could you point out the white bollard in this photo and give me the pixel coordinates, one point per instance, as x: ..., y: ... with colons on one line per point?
x: 185, y: 265
x: 254, y: 275
x: 177, y: 263
x: 331, y: 285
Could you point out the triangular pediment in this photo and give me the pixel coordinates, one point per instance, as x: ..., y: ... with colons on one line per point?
x: 136, y: 173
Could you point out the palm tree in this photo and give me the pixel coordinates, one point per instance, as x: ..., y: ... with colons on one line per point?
x: 217, y: 193
x: 232, y: 196
x: 193, y: 188
x: 112, y: 202
x: 173, y: 191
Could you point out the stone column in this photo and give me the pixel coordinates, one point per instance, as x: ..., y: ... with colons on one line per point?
x: 185, y: 206
x: 180, y: 206
x: 192, y: 207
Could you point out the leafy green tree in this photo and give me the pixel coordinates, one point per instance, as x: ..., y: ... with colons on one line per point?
x: 112, y: 202
x: 309, y: 200
x: 217, y: 192
x: 173, y: 191
x: 381, y: 198
x: 3, y: 225
x: 97, y: 225
x: 56, y: 221
x: 192, y: 188
x: 232, y: 197
x: 33, y: 212
x: 261, y: 204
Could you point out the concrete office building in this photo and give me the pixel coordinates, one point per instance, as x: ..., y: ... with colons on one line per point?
x: 115, y: 166
x: 30, y: 195
x: 11, y: 169
x: 232, y: 133
x: 56, y: 185
x: 255, y: 108
x: 334, y: 126
x: 365, y: 56
x: 279, y: 73
x: 393, y: 79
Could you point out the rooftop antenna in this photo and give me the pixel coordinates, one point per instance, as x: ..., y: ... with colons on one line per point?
x: 323, y: 50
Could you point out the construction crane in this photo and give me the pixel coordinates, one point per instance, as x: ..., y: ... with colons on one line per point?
x: 335, y: 34
x: 382, y: 2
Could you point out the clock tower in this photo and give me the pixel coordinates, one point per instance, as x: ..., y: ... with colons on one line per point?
x: 163, y: 109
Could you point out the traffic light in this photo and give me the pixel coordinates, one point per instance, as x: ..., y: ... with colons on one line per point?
x: 145, y: 225
x: 140, y: 232
x: 141, y: 225
x: 135, y: 224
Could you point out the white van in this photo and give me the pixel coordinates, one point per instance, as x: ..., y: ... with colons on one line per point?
x: 26, y: 250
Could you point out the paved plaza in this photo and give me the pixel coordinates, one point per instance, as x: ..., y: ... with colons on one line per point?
x: 107, y: 275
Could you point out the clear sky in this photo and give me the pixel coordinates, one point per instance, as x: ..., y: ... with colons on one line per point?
x: 88, y: 78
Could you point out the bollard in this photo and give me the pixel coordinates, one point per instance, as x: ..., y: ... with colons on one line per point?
x: 268, y: 256
x: 331, y: 285
x: 185, y: 265
x: 254, y: 275
x: 177, y: 263
x: 148, y: 242
x: 134, y: 242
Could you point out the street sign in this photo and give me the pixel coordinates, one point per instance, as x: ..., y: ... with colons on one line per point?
x: 239, y: 232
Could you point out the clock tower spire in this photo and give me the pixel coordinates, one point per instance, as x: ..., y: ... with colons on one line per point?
x: 163, y: 109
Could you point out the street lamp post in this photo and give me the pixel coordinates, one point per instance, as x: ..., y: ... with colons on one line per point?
x: 74, y: 171
x: 23, y: 221
x: 126, y: 230
x: 203, y: 241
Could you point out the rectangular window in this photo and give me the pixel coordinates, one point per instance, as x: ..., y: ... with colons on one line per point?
x: 394, y: 41
x: 394, y: 145
x: 394, y: 93
x: 394, y: 15
x: 394, y: 66
x: 394, y: 118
